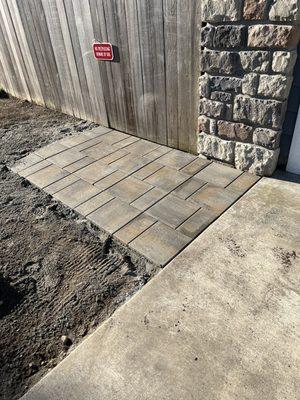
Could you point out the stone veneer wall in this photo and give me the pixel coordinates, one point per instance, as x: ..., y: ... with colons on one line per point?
x: 249, y: 53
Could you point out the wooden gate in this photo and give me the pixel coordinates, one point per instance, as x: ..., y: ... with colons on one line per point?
x: 149, y: 90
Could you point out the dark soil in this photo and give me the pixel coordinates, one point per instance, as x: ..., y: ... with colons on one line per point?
x: 59, y: 279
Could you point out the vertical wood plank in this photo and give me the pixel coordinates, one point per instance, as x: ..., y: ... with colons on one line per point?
x: 32, y: 78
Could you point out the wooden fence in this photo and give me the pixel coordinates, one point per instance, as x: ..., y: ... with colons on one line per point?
x: 150, y: 90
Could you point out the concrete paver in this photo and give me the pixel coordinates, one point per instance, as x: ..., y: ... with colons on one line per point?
x: 221, y: 321
x: 128, y: 186
x: 26, y: 162
x: 51, y: 150
x: 167, y: 178
x: 129, y: 189
x: 34, y: 168
x: 177, y: 159
x: 172, y: 210
x: 47, y: 176
x: 77, y: 193
x: 137, y: 226
x: 160, y: 243
x: 94, y: 203
x: 113, y: 215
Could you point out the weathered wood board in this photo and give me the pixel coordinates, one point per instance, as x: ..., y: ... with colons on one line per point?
x: 150, y: 90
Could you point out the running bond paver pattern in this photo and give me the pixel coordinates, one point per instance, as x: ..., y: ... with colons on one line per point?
x: 152, y: 198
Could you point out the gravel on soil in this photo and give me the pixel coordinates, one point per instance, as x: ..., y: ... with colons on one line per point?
x: 59, y: 278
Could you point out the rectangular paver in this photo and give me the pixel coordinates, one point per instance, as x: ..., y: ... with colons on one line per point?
x: 195, y: 166
x: 218, y: 174
x: 94, y: 172
x: 61, y: 184
x: 172, y: 210
x: 47, y: 175
x: 149, y: 199
x: 94, y: 203
x: 66, y: 158
x: 217, y: 198
x: 157, y: 153
x: 243, y: 183
x: 98, y: 151
x: 167, y: 178
x: 77, y: 193
x: 129, y: 189
x: 188, y: 188
x: 126, y: 142
x: 197, y: 222
x: 177, y: 159
x: 160, y: 243
x: 135, y: 228
x: 26, y: 162
x: 35, y: 168
x: 148, y: 170
x: 142, y: 147
x: 84, y: 162
x: 111, y: 180
x: 51, y: 150
x: 113, y: 215
x: 130, y: 163
x: 116, y: 155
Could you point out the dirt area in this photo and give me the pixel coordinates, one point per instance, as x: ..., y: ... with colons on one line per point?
x: 58, y: 278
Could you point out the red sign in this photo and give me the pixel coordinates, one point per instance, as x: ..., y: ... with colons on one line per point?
x: 103, y: 51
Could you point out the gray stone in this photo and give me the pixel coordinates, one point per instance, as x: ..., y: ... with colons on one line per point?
x: 219, y: 11
x: 255, y: 61
x: 225, y: 83
x: 255, y: 159
x: 211, y: 146
x: 285, y: 10
x: 204, y: 86
x: 235, y: 131
x: 268, y: 113
x: 225, y: 97
x: 207, y: 36
x: 267, y: 138
x: 284, y: 62
x: 273, y: 36
x: 220, y: 62
x: 275, y: 86
x: 229, y: 36
x: 210, y: 108
x: 250, y: 84
x: 207, y: 125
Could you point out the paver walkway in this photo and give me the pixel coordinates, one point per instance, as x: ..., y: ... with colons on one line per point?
x: 152, y: 198
x: 220, y: 322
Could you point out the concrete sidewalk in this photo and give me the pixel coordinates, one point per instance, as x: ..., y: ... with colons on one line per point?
x: 220, y: 322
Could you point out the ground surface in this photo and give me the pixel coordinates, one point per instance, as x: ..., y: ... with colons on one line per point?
x: 151, y: 198
x: 56, y: 276
x: 220, y: 322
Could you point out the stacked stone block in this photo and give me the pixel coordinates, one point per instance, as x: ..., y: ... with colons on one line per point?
x: 249, y: 52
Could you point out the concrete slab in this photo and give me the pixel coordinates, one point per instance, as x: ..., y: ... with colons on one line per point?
x: 220, y: 322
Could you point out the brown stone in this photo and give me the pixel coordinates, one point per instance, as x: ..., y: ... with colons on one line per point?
x: 235, y: 131
x: 276, y: 36
x: 254, y: 9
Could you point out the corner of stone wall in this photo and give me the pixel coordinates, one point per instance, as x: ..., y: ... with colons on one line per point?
x: 247, y: 62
